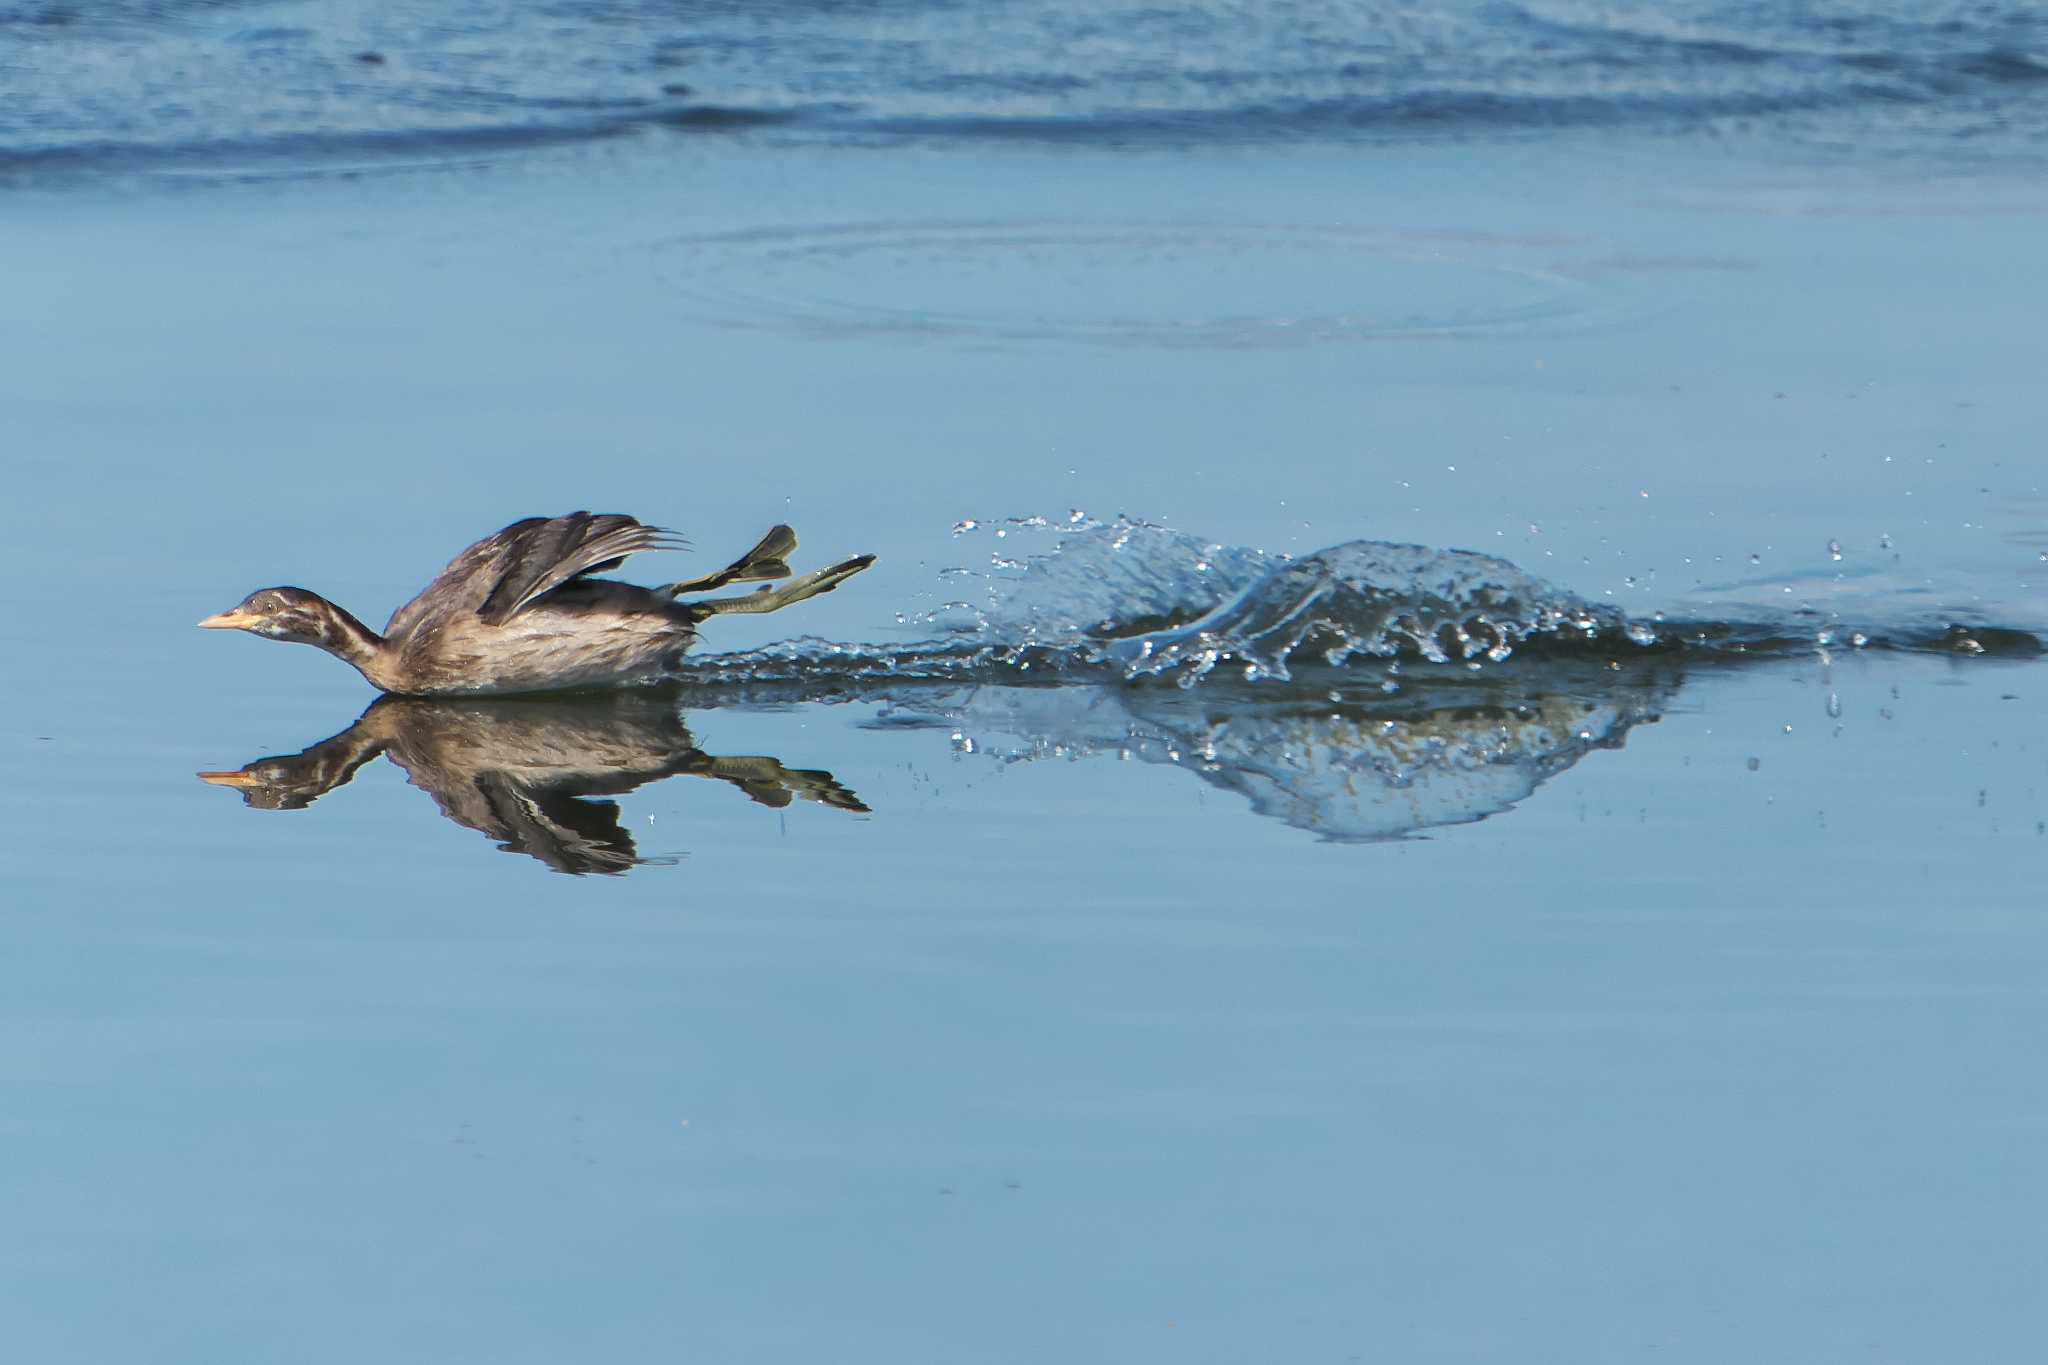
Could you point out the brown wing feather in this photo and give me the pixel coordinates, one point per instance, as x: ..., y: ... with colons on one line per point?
x: 554, y: 552
x: 501, y: 574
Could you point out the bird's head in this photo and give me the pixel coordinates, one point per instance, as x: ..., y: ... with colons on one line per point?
x: 290, y: 614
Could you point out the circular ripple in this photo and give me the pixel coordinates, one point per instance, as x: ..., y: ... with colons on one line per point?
x: 1125, y: 284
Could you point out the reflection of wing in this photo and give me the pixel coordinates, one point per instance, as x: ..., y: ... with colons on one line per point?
x: 517, y: 770
x: 567, y: 833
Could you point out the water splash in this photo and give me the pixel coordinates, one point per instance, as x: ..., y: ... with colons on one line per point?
x: 1078, y: 585
x: 1127, y: 600
x: 1081, y: 600
x: 1375, y: 600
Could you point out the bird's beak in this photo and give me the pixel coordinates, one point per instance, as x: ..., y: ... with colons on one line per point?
x: 239, y: 780
x: 230, y: 620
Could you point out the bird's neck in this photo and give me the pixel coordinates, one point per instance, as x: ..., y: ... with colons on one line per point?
x: 355, y: 644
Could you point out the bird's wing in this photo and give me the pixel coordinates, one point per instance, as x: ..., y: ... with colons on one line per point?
x: 547, y: 555
x: 497, y: 576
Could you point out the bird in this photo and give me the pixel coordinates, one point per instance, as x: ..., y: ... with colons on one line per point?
x: 520, y: 611
x: 524, y: 770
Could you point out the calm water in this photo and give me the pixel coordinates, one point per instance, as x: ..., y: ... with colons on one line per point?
x: 1035, y: 950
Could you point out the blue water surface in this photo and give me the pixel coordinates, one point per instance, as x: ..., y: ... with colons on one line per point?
x: 1658, y: 995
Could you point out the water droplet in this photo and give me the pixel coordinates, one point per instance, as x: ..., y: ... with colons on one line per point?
x: 1756, y: 559
x: 1835, y: 705
x: 961, y: 528
x: 1835, y: 549
x: 1859, y: 639
x: 1788, y: 729
x: 1754, y: 764
x: 1884, y: 542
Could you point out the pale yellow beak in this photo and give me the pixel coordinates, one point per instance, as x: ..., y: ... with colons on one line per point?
x: 238, y: 780
x: 230, y: 620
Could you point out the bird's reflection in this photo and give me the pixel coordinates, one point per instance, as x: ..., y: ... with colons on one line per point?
x: 1344, y: 755
x: 521, y: 770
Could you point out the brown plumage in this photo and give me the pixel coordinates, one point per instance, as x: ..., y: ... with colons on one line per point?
x: 520, y: 611
x: 523, y: 770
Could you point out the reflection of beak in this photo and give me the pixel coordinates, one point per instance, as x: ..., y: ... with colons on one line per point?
x: 230, y: 620
x: 240, y: 780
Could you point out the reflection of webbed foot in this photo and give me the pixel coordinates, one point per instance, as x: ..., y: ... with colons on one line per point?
x: 765, y: 780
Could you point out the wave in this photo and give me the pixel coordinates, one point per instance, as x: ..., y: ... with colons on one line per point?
x: 146, y: 82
